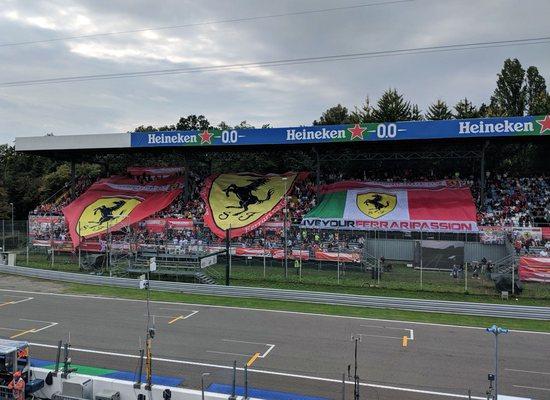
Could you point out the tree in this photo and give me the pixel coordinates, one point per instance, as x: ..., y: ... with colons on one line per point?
x: 363, y: 114
x: 393, y: 107
x: 416, y: 113
x: 193, y: 123
x: 244, y: 125
x: 143, y: 128
x: 334, y: 116
x: 509, y: 97
x: 439, y: 110
x: 538, y: 101
x: 465, y: 109
x: 5, y: 208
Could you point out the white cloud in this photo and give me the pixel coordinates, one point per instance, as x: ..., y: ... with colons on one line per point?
x: 286, y: 95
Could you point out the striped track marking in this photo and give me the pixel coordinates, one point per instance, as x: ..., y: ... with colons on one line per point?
x: 7, y: 303
x: 34, y: 330
x: 252, y: 359
x: 274, y: 373
x: 175, y: 319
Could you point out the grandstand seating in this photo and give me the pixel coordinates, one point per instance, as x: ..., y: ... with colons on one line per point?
x: 510, y: 201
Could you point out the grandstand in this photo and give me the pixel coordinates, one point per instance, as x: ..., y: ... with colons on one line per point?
x: 407, y: 159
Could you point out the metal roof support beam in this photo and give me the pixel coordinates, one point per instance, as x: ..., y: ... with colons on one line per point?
x: 401, y: 156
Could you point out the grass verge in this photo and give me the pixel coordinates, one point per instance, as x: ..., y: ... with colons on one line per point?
x: 350, y: 311
x: 401, y: 282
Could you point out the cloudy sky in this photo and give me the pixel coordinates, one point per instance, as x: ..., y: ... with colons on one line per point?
x: 281, y: 96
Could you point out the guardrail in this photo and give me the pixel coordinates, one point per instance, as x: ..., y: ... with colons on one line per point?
x: 439, y: 306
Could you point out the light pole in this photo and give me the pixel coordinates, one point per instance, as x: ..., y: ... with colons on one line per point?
x: 496, y: 330
x: 12, y: 229
x: 284, y: 228
x: 205, y: 374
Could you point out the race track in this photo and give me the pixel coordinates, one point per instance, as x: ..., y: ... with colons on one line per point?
x: 289, y: 352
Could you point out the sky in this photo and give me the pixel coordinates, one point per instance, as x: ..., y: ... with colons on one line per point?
x: 280, y: 96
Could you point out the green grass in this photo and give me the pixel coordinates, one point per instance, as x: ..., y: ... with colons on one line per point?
x: 400, y: 282
x: 438, y: 318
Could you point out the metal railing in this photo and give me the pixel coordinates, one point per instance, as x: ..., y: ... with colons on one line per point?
x: 455, y: 307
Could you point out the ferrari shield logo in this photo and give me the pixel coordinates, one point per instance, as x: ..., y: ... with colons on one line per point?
x: 104, y: 213
x: 375, y: 204
x: 239, y: 200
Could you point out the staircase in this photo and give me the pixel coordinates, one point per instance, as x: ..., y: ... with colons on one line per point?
x: 201, y: 277
x: 505, y: 264
x: 369, y: 261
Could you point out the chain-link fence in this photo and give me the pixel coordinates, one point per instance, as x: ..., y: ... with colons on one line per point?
x: 349, y: 261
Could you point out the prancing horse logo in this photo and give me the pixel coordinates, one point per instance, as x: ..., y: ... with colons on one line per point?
x: 107, y: 212
x: 375, y: 205
x: 245, y: 195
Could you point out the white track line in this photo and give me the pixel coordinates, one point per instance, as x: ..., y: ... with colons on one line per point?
x: 22, y: 301
x: 50, y: 324
x: 266, y: 372
x: 230, y: 354
x: 190, y: 315
x: 532, y: 387
x: 527, y: 372
x: 265, y: 353
x: 266, y: 310
x: 410, y: 337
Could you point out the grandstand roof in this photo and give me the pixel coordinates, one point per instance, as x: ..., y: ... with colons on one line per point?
x: 394, y: 132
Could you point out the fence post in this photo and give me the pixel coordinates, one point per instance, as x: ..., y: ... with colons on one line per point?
x: 343, y: 386
x: 245, y: 382
x: 263, y: 252
x: 338, y: 260
x: 233, y: 394
x: 28, y: 240
x: 3, y: 236
x: 465, y: 276
x: 421, y: 260
x: 52, y: 242
x: 513, y: 277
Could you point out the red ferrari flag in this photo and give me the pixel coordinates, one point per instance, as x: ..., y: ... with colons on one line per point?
x: 115, y: 202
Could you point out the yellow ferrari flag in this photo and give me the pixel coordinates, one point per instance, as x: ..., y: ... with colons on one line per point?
x: 243, y: 202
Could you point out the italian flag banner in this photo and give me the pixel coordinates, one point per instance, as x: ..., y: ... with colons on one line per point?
x: 442, y: 206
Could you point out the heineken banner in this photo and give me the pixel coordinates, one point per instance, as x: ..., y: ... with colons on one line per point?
x: 116, y: 202
x: 243, y: 202
x: 442, y: 206
x: 371, y: 131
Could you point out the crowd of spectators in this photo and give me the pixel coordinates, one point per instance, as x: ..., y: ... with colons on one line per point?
x: 62, y: 198
x: 510, y: 201
x: 516, y: 201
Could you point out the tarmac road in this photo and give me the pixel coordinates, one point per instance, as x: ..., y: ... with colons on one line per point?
x: 289, y: 352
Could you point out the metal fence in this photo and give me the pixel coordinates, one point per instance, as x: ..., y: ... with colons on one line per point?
x: 358, y: 262
x: 458, y: 307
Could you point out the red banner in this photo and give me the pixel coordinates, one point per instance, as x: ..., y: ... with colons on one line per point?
x: 292, y: 255
x: 180, y: 223
x: 117, y: 202
x: 155, y: 225
x: 251, y: 252
x: 155, y: 171
x: 342, y: 257
x: 534, y: 269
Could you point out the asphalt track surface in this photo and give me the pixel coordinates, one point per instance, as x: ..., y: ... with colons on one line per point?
x: 289, y: 352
